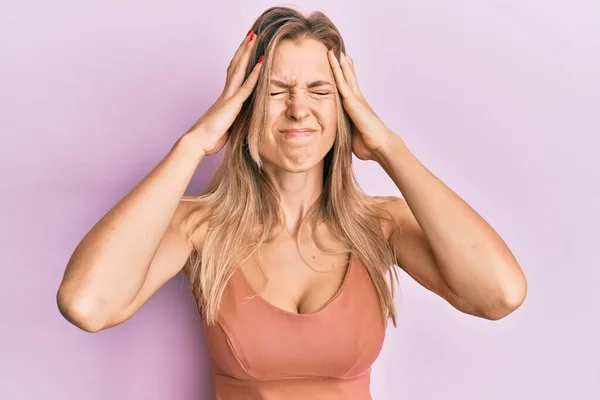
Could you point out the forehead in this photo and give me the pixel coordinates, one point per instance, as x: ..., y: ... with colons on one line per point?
x: 299, y: 62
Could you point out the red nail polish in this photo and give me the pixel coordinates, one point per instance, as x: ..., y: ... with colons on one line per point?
x: 261, y: 58
x: 249, y: 32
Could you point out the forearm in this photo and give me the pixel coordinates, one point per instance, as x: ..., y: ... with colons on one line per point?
x: 110, y: 264
x: 476, y: 264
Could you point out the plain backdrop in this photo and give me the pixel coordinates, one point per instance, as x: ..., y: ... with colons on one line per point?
x: 500, y: 99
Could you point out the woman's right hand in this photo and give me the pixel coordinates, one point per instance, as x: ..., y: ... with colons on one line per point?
x: 212, y: 129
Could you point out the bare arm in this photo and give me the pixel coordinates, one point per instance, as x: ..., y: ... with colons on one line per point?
x: 447, y: 246
x: 139, y: 244
x: 111, y: 263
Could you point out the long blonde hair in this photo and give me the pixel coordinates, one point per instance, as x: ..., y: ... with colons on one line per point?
x: 244, y: 203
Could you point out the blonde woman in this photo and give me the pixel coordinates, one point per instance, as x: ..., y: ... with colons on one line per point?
x: 293, y: 266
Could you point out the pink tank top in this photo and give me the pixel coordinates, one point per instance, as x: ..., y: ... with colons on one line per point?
x: 262, y: 352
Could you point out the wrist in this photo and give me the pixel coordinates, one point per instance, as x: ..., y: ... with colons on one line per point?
x: 191, y: 142
x: 392, y: 147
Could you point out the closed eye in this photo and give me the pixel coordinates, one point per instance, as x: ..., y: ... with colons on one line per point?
x: 319, y: 93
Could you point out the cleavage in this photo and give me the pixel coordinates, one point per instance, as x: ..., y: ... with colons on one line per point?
x: 288, y: 283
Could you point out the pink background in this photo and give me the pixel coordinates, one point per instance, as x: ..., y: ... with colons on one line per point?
x: 500, y: 99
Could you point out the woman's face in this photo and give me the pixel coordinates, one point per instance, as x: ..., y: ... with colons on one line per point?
x: 301, y: 96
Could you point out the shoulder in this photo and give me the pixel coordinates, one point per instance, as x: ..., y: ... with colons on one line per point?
x: 391, y: 206
x: 392, y: 211
x: 192, y: 219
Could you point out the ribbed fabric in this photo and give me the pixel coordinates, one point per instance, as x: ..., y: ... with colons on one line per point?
x: 262, y: 352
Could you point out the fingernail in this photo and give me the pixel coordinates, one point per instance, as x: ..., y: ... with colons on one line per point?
x: 249, y: 32
x: 261, y: 58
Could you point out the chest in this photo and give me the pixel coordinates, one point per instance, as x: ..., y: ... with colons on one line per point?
x: 298, y: 278
x: 255, y: 340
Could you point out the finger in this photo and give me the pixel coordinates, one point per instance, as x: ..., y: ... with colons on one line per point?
x: 246, y: 89
x: 349, y: 73
x: 338, y: 74
x: 350, y: 59
x: 236, y: 56
x: 238, y: 73
x: 351, y: 62
x: 250, y: 36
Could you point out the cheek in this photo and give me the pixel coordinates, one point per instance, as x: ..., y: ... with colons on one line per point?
x: 328, y: 115
x: 275, y: 111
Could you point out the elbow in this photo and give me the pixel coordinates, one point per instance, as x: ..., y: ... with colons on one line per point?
x: 79, y: 312
x: 512, y: 297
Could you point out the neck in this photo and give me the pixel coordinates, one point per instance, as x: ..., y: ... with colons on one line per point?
x: 298, y: 191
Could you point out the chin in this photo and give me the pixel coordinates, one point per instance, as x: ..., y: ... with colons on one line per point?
x: 298, y: 163
x: 296, y: 159
x: 298, y: 168
x: 294, y: 163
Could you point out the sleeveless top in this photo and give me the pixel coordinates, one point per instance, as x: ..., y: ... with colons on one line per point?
x: 262, y: 352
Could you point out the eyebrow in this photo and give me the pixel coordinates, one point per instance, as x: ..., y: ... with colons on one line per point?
x: 285, y: 85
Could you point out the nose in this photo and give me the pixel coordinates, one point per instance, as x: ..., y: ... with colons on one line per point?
x: 297, y: 108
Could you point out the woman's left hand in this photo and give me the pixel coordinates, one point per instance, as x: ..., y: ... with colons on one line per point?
x: 369, y: 133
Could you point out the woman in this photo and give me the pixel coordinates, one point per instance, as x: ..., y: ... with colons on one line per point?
x: 287, y: 258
